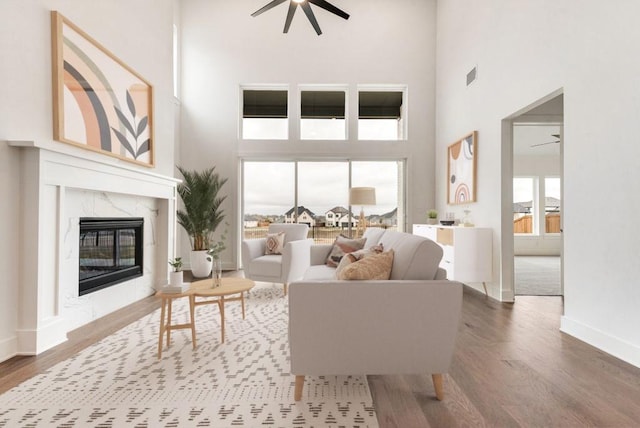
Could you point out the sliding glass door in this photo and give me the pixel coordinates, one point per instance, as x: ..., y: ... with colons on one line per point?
x: 317, y: 193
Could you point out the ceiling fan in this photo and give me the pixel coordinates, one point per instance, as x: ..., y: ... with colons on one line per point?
x: 306, y: 7
x: 548, y: 142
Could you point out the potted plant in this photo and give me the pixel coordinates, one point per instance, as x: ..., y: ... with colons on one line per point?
x: 432, y: 216
x: 202, y: 214
x: 176, y: 275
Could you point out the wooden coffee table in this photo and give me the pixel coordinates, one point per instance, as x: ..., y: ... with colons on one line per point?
x: 165, y: 318
x: 208, y: 294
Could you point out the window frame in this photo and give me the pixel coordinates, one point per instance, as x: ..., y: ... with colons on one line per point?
x: 322, y: 88
x: 404, y: 110
x: 263, y: 87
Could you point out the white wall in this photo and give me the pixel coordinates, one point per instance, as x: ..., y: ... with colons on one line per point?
x: 138, y: 32
x: 524, y: 51
x: 224, y: 47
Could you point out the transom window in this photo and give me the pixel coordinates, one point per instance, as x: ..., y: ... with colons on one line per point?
x: 380, y: 115
x: 265, y: 114
x: 322, y: 115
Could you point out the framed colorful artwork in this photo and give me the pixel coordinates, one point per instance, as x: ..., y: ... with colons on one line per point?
x: 461, y: 170
x: 99, y: 103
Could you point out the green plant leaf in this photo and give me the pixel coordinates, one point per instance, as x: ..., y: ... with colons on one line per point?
x: 202, y: 212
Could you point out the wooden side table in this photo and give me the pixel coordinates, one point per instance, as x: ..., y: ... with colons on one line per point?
x: 219, y: 295
x: 165, y: 317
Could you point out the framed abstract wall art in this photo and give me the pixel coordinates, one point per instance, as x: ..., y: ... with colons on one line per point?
x: 99, y: 103
x: 461, y: 170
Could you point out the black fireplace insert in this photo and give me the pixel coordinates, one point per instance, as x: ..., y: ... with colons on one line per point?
x: 110, y: 251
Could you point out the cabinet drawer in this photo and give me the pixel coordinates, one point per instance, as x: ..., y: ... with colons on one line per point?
x: 444, y: 236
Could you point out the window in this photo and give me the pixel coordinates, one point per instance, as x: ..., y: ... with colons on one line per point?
x: 524, y: 205
x: 176, y: 60
x: 536, y: 205
x: 322, y: 115
x: 319, y: 190
x: 381, y: 115
x: 552, y: 204
x: 265, y: 114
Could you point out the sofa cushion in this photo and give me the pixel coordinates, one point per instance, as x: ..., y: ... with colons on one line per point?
x: 416, y: 257
x: 372, y: 235
x: 372, y: 267
x: 270, y: 265
x: 319, y: 273
x: 274, y: 244
x: 341, y: 246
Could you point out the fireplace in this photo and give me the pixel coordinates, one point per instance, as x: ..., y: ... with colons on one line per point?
x: 110, y: 251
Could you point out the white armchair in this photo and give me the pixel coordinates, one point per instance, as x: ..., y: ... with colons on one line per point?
x: 278, y: 268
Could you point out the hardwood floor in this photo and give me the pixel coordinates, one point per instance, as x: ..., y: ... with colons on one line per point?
x: 512, y: 368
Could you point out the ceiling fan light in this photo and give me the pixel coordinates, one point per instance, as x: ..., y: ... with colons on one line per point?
x: 299, y: 1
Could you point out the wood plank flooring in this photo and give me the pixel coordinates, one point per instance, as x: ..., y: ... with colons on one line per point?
x: 512, y: 368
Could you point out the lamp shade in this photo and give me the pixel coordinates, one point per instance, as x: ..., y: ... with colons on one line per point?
x: 362, y: 196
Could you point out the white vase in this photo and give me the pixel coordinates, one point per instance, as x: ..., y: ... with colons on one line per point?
x: 175, y: 278
x: 200, y: 266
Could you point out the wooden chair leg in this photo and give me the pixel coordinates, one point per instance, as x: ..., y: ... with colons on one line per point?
x: 437, y: 385
x: 297, y: 396
x: 285, y: 289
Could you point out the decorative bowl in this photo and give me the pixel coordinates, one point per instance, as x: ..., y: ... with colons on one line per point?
x: 447, y: 222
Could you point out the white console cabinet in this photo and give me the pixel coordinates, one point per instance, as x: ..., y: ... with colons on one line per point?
x: 467, y: 251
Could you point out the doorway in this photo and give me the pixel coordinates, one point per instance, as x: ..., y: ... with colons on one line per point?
x: 532, y: 202
x: 537, y: 203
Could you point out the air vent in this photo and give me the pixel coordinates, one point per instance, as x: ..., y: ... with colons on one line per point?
x: 471, y: 76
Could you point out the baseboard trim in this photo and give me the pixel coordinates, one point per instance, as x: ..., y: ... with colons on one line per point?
x: 35, y: 341
x: 8, y: 348
x: 605, y: 342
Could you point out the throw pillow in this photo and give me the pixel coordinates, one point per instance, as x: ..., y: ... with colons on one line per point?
x: 275, y: 243
x: 375, y: 266
x: 341, y: 246
x: 357, y: 255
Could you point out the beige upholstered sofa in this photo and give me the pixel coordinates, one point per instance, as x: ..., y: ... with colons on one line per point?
x: 405, y: 325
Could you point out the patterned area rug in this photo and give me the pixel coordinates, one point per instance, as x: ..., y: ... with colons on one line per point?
x: 244, y: 382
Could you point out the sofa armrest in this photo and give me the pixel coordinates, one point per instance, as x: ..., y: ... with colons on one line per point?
x: 373, y: 327
x: 296, y: 259
x: 252, y: 249
x: 319, y: 253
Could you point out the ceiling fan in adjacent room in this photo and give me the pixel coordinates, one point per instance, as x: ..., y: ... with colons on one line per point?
x: 548, y: 142
x: 306, y: 7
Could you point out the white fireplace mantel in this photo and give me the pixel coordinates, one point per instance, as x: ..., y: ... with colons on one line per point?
x: 52, y: 176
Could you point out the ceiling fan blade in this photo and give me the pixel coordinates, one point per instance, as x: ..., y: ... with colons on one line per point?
x: 331, y: 8
x: 311, y: 16
x: 273, y: 4
x: 292, y: 10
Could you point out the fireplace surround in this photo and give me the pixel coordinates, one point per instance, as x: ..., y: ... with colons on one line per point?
x: 61, y: 184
